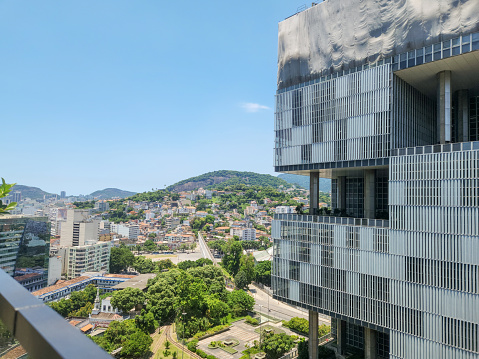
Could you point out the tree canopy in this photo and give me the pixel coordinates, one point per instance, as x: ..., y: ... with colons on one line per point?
x: 120, y: 259
x: 127, y: 299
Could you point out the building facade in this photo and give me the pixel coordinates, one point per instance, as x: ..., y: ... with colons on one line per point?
x: 88, y: 258
x: 24, y: 249
x: 79, y: 228
x: 388, y: 110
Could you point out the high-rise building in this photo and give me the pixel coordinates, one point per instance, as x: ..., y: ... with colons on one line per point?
x: 63, y: 194
x: 79, y: 229
x: 17, y: 196
x: 24, y: 248
x: 382, y: 97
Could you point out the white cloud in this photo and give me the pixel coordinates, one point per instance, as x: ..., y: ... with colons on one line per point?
x: 254, y: 107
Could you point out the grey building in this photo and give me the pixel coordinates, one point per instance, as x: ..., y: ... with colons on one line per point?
x: 383, y: 98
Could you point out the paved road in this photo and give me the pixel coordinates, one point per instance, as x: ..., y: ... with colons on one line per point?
x: 280, y: 310
x: 205, y: 250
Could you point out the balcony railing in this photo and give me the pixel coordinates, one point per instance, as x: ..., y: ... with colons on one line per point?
x: 39, y: 329
x: 333, y: 220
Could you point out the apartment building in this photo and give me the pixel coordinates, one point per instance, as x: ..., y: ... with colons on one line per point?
x: 87, y: 258
x: 383, y: 99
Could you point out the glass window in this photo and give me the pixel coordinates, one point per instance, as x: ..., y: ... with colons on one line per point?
x: 419, y: 56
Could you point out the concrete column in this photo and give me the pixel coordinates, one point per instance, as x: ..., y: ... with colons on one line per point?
x: 313, y: 192
x: 341, y: 336
x: 463, y: 116
x: 444, y: 98
x: 369, y: 343
x: 370, y: 194
x: 313, y: 335
x: 342, y: 192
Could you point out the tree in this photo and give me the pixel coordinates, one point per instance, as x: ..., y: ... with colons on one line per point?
x: 152, y: 235
x: 144, y: 265
x: 165, y: 264
x: 262, y: 272
x: 146, y: 322
x: 120, y: 259
x: 5, y: 189
x: 231, y: 259
x: 240, y: 302
x: 137, y: 345
x: 217, y: 310
x: 276, y: 345
x: 83, y: 311
x: 247, y: 265
x: 241, y: 280
x: 150, y: 246
x: 127, y: 298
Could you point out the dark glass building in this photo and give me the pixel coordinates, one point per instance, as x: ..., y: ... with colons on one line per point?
x: 24, y: 249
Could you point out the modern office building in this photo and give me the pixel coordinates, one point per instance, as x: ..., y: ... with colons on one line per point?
x: 24, y: 249
x: 383, y: 98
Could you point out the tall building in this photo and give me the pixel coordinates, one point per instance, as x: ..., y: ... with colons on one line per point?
x: 87, y: 258
x: 383, y: 98
x: 63, y: 194
x: 24, y: 248
x: 79, y: 229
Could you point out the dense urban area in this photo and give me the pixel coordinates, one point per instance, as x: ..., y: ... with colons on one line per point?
x: 168, y: 272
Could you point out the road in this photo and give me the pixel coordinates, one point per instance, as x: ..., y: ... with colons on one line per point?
x: 263, y: 300
x: 205, y: 249
x: 280, y: 310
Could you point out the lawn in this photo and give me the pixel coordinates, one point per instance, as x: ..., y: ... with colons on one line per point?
x: 160, y: 354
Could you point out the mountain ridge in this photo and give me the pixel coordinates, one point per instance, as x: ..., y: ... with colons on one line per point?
x: 222, y: 178
x: 303, y: 181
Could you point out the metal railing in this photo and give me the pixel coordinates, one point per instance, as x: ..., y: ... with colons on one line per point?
x: 39, y: 329
x: 333, y: 220
x: 291, y: 355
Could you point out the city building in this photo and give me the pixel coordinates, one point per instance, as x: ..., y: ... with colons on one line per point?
x: 130, y: 231
x: 79, y: 229
x: 63, y: 194
x: 248, y: 234
x: 24, y: 249
x: 284, y: 209
x: 382, y: 97
x: 102, y: 206
x: 86, y: 258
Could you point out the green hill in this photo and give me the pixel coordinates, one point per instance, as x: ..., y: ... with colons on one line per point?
x: 223, y: 178
x: 108, y: 193
x: 303, y: 181
x: 30, y: 192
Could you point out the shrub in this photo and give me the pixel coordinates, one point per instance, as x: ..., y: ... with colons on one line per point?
x: 323, y: 330
x: 251, y: 321
x: 298, y: 324
x: 201, y: 353
x: 192, y: 345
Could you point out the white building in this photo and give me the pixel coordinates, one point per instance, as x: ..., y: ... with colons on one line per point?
x: 248, y: 234
x: 130, y: 231
x: 102, y: 206
x: 79, y: 229
x: 284, y: 209
x: 54, y: 269
x: 87, y: 258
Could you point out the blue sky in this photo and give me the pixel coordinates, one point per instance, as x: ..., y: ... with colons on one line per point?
x: 136, y: 94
